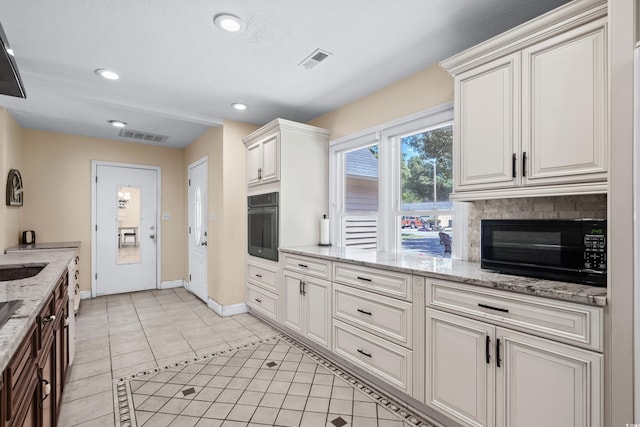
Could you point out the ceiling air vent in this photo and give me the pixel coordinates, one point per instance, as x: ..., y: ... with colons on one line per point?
x: 316, y: 57
x: 142, y: 136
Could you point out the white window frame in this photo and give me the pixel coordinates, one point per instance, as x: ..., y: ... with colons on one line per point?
x: 387, y: 136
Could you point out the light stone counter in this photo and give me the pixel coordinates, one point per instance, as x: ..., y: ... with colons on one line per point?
x: 32, y: 291
x: 459, y: 271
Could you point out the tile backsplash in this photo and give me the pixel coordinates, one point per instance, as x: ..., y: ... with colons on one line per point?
x: 557, y: 207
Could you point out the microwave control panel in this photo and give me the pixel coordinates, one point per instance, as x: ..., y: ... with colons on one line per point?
x: 595, y: 252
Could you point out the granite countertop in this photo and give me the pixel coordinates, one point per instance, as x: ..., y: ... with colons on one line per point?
x: 43, y: 246
x: 32, y: 291
x: 457, y: 270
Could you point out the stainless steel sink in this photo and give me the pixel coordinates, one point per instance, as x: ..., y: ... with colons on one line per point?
x: 7, y: 308
x: 21, y: 271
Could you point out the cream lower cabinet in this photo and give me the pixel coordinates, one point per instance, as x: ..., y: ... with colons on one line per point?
x: 484, y: 375
x: 307, y: 307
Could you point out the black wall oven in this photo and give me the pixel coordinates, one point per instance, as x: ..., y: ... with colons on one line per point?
x: 263, y: 225
x: 565, y: 250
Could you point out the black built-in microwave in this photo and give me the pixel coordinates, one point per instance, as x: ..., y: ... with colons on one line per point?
x: 563, y: 250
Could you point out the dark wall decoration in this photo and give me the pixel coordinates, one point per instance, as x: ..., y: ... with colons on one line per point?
x: 14, y: 188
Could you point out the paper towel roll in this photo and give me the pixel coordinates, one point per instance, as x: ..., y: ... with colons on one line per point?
x: 324, y: 231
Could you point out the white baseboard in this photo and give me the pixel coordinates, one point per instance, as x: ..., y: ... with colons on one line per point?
x: 85, y: 294
x: 172, y: 284
x: 227, y: 310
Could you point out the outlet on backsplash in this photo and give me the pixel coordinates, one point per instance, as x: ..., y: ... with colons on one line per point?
x: 559, y: 207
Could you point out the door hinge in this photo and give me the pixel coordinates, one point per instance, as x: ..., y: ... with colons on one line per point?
x: 189, y: 230
x: 96, y: 227
x: 96, y: 178
x: 189, y: 182
x: 189, y: 277
x: 96, y: 276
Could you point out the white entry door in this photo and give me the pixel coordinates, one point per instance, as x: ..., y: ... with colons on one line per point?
x: 126, y: 228
x: 198, y: 230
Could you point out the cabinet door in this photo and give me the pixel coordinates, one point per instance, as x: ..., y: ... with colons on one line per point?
x: 292, y: 303
x: 47, y: 375
x: 254, y: 155
x: 564, y: 117
x: 270, y: 159
x: 544, y: 383
x: 487, y: 119
x: 316, y: 294
x: 460, y: 368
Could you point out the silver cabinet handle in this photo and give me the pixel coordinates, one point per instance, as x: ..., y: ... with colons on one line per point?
x: 49, y: 319
x: 152, y: 236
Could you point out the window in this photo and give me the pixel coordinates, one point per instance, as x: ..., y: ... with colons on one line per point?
x: 390, y: 185
x: 426, y: 223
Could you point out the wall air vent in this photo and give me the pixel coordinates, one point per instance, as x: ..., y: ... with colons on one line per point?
x: 142, y: 136
x: 316, y: 57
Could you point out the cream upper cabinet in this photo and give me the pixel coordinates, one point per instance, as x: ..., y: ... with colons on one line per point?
x: 531, y: 115
x: 487, y: 136
x: 263, y: 160
x: 564, y: 113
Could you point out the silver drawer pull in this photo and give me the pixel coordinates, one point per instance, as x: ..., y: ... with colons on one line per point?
x: 364, y: 278
x: 303, y: 265
x: 49, y: 319
x: 364, y: 353
x: 258, y: 300
x: 259, y: 275
x: 504, y: 310
x: 368, y: 313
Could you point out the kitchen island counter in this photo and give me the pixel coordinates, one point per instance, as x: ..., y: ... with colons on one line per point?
x: 32, y: 292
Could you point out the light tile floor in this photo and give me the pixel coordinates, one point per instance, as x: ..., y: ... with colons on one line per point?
x: 255, y: 377
x: 124, y: 334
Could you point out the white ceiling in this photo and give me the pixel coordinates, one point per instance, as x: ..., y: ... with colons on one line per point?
x: 180, y: 73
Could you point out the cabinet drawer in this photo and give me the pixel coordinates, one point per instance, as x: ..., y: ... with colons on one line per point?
x: 45, y: 320
x: 262, y: 277
x: 373, y: 279
x: 262, y: 301
x: 385, y: 360
x: 312, y: 266
x: 564, y: 321
x: 20, y: 373
x: 383, y: 316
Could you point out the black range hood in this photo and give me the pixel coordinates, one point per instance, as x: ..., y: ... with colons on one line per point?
x: 10, y: 82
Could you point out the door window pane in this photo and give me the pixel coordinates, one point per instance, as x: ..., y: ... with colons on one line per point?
x: 426, y: 179
x: 197, y: 209
x: 128, y: 225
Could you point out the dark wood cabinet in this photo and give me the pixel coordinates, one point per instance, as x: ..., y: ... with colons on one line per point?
x: 31, y: 386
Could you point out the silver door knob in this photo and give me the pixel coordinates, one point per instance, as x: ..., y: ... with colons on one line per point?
x: 152, y: 236
x: 204, y: 243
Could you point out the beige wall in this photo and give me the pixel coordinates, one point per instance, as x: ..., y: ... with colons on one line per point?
x: 57, y: 203
x: 11, y: 149
x: 227, y: 199
x: 418, y: 92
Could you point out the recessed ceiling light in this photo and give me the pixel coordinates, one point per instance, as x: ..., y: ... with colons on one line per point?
x: 239, y: 106
x: 10, y: 51
x: 107, y: 74
x: 230, y: 23
x: 117, y: 123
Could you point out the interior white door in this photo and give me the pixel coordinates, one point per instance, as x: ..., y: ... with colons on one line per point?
x: 198, y: 230
x: 126, y: 229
